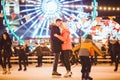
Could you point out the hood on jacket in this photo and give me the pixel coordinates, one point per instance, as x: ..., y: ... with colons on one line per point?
x: 51, y: 25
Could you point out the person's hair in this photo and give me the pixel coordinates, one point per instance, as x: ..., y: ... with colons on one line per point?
x: 36, y: 43
x: 58, y: 20
x: 89, y: 36
x: 8, y: 37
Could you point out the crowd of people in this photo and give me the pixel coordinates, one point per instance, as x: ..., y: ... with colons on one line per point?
x: 22, y: 51
x: 61, y: 47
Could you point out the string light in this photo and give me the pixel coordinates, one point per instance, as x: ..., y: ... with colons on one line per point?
x: 118, y: 9
x: 108, y: 8
x: 104, y: 8
x: 100, y: 8
x: 113, y: 8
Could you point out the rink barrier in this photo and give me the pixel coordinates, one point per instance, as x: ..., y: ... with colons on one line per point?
x: 50, y: 59
x: 33, y: 59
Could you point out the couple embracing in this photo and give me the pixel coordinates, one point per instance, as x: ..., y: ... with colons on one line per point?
x: 60, y: 46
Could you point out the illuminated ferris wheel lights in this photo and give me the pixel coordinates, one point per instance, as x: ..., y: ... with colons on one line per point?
x: 23, y: 1
x: 86, y: 7
x: 90, y: 7
x: 40, y: 13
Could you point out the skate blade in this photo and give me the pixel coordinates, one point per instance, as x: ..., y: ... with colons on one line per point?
x: 56, y: 76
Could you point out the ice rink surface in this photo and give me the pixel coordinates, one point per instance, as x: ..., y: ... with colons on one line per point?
x: 99, y: 72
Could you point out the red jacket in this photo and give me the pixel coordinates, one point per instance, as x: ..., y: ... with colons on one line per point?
x: 65, y: 37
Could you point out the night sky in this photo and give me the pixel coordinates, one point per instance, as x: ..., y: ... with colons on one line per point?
x: 104, y: 2
x: 109, y: 3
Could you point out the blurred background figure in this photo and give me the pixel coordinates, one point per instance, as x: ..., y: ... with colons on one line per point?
x: 6, y: 43
x: 104, y: 50
x: 110, y: 52
x: 22, y: 57
x: 45, y: 49
x: 0, y: 53
x: 38, y: 52
x: 116, y: 53
x: 27, y: 50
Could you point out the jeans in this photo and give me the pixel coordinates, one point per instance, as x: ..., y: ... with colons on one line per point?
x: 86, y: 64
x: 5, y: 61
x: 117, y: 59
x: 65, y: 56
x: 39, y: 61
x: 20, y: 62
x: 56, y: 58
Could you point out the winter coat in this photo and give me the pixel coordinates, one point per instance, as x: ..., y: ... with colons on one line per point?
x: 85, y: 51
x: 65, y: 37
x: 38, y: 51
x: 22, y: 53
x: 6, y: 47
x: 55, y: 42
x: 116, y: 48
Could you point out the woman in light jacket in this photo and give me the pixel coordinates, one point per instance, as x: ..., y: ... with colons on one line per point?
x: 66, y: 48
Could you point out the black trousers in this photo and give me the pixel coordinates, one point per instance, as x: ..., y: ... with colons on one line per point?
x: 39, y: 60
x: 117, y: 59
x: 56, y: 58
x: 112, y: 56
x: 65, y: 56
x: 6, y: 60
x: 0, y: 59
x: 22, y: 61
x: 86, y: 64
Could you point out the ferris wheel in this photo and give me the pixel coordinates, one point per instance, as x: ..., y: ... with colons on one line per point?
x: 31, y: 18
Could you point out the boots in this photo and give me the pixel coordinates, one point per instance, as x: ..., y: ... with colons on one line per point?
x: 9, y: 71
x: 68, y: 74
x: 83, y: 76
x: 4, y: 71
x: 88, y: 77
x: 116, y: 68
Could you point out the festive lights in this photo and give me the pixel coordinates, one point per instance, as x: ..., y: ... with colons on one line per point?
x: 35, y: 18
x: 105, y: 8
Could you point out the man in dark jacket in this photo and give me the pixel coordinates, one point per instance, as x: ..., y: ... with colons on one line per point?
x: 110, y: 51
x: 38, y: 51
x: 116, y: 52
x: 55, y: 44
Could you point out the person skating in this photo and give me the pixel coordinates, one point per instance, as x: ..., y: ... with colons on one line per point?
x: 38, y: 52
x: 55, y: 45
x: 22, y: 57
x: 6, y: 43
x: 85, y: 59
x: 116, y: 52
x: 66, y: 48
